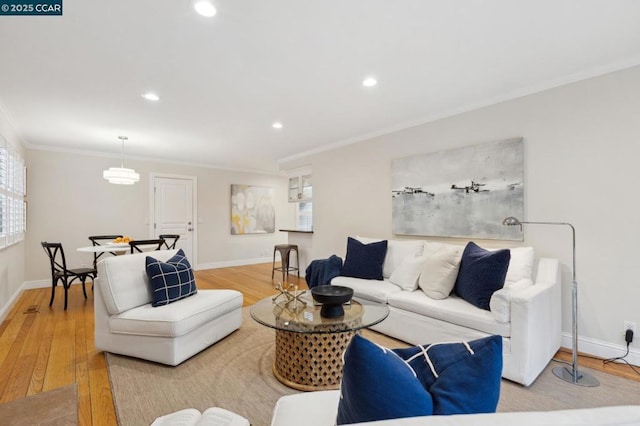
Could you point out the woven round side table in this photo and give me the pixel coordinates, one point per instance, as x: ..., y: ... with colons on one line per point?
x: 311, y: 361
x: 309, y: 347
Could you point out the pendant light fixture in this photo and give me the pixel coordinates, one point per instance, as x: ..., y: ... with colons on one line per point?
x: 121, y: 175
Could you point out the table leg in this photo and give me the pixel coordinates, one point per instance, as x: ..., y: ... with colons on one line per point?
x: 310, y: 361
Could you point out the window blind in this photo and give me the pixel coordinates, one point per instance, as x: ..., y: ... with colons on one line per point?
x: 12, y: 192
x: 305, y: 216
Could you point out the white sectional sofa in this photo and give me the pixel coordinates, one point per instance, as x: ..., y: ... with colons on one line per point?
x: 127, y: 324
x: 320, y: 409
x: 526, y: 313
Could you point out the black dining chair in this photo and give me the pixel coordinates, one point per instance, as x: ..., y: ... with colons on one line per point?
x: 98, y: 240
x: 60, y: 272
x: 138, y: 245
x: 170, y: 240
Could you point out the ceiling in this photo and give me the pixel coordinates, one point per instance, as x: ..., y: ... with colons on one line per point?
x: 75, y: 82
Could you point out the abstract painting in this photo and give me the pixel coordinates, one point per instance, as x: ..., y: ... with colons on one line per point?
x: 463, y: 193
x: 252, y: 210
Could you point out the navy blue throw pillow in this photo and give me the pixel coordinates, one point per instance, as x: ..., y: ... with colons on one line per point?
x: 462, y: 378
x: 364, y: 260
x: 482, y: 272
x: 171, y: 280
x: 378, y: 385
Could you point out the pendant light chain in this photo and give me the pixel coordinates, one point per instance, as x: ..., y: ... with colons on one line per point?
x: 122, y: 139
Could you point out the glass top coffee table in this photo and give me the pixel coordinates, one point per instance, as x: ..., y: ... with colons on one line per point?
x: 309, y: 347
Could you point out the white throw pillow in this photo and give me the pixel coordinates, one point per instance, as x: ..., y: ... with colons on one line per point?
x: 440, y: 270
x: 430, y: 247
x: 520, y: 265
x: 500, y: 303
x: 397, y: 252
x: 406, y: 274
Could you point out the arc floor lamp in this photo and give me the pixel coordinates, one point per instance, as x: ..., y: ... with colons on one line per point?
x: 574, y: 375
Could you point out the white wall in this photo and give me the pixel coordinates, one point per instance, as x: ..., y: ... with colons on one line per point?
x: 12, y: 258
x: 582, y: 151
x: 69, y: 200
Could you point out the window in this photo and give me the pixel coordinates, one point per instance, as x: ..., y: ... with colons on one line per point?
x: 12, y: 191
x: 301, y: 193
x: 307, y: 187
x: 293, y: 188
x: 300, y: 188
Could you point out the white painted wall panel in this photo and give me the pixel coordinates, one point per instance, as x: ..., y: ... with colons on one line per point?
x: 582, y: 151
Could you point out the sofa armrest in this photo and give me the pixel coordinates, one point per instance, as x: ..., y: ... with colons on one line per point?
x: 318, y: 408
x: 536, y: 322
x: 500, y: 303
x: 100, y: 317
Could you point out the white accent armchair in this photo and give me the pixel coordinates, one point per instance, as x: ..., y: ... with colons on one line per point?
x: 127, y: 324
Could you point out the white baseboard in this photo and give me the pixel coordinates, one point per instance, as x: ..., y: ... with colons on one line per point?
x: 230, y: 263
x: 597, y: 348
x: 28, y: 285
x: 4, y: 310
x: 601, y: 349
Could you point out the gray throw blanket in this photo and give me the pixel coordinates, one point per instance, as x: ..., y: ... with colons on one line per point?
x: 322, y: 271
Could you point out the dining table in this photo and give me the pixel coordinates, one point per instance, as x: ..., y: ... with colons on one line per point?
x: 98, y: 250
x: 105, y: 248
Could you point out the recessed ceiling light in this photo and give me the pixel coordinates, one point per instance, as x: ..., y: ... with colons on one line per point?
x: 277, y: 125
x: 151, y: 97
x: 369, y: 82
x: 204, y: 8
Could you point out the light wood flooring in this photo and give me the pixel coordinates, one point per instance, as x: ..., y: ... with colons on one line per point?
x: 50, y: 348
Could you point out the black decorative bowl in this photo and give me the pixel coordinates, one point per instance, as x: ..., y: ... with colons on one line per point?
x: 332, y: 297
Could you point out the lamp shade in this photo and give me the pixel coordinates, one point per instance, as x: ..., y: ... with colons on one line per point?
x: 121, y: 176
x: 511, y: 221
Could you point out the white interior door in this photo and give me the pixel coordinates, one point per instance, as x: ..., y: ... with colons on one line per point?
x: 173, y: 209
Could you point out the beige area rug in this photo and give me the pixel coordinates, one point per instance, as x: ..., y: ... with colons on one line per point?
x: 57, y: 407
x: 235, y: 374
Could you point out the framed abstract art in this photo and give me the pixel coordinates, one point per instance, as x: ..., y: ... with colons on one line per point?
x: 464, y: 192
x: 252, y: 210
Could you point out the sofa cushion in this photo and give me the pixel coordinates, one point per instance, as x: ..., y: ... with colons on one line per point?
x: 364, y: 260
x: 406, y: 274
x: 171, y: 280
x: 481, y: 273
x: 378, y: 385
x: 431, y: 247
x: 439, y: 271
x: 123, y: 282
x: 178, y: 318
x: 520, y: 265
x: 397, y: 252
x: 462, y: 378
x: 376, y: 291
x: 453, y: 310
